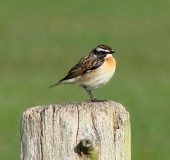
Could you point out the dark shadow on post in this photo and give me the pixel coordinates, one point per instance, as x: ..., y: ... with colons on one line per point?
x: 86, y: 149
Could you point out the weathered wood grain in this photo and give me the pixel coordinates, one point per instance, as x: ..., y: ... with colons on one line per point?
x: 55, y: 132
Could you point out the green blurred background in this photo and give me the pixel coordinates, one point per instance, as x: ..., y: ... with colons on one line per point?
x: 41, y: 40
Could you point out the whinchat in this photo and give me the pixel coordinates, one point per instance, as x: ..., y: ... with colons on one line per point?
x: 92, y: 71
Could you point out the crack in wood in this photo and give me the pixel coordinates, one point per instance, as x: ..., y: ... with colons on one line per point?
x: 41, y: 132
x: 98, y: 139
x: 95, y: 129
x: 78, y: 118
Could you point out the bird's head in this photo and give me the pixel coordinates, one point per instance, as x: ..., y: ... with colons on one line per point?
x: 103, y: 50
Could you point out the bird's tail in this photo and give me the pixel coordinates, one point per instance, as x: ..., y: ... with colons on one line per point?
x: 55, y: 84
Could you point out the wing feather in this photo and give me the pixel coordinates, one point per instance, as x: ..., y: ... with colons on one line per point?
x: 86, y: 64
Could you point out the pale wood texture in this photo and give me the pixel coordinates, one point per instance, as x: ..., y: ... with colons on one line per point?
x: 53, y: 132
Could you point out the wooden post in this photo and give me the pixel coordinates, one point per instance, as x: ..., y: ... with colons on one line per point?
x: 73, y: 131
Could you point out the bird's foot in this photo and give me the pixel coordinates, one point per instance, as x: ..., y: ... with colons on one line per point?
x: 97, y: 100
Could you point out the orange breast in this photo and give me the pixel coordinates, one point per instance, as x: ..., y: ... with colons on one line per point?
x: 110, y: 64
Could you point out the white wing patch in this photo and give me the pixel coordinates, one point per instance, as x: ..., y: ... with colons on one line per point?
x: 72, y: 80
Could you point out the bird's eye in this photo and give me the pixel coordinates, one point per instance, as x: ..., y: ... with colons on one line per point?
x: 103, y: 52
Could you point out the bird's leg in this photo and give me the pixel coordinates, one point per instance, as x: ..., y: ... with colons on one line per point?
x: 91, y: 95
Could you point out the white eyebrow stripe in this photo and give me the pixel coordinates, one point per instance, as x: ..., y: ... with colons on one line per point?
x: 100, y: 49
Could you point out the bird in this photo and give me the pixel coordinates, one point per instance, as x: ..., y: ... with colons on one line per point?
x: 92, y: 71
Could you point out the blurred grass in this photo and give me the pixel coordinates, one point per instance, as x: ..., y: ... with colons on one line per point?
x: 41, y: 41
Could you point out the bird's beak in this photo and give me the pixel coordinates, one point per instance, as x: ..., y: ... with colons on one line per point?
x: 112, y: 51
